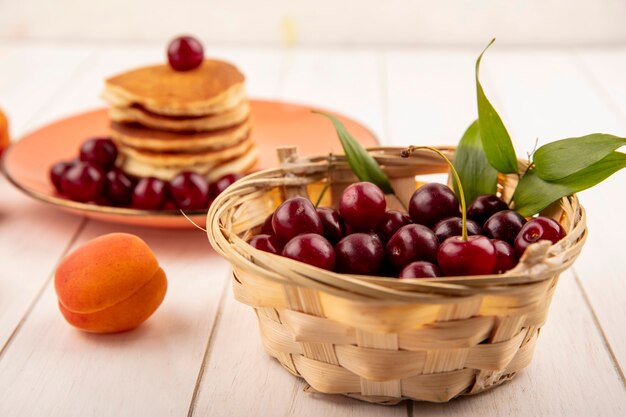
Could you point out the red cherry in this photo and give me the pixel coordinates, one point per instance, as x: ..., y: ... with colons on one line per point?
x: 433, y: 202
x: 453, y: 226
x: 267, y: 228
x: 362, y: 205
x: 391, y: 221
x: 189, y: 191
x: 294, y: 217
x: 311, y: 249
x: 536, y: 229
x: 360, y: 254
x: 83, y: 182
x: 332, y: 222
x: 118, y: 190
x: 420, y: 269
x: 217, y: 187
x: 149, y: 194
x: 485, y: 206
x: 412, y: 242
x: 57, y: 172
x: 100, y: 152
x: 474, y: 256
x: 504, y: 225
x: 505, y: 256
x: 185, y: 53
x: 267, y: 243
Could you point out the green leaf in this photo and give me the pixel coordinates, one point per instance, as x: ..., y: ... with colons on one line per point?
x: 496, y: 140
x: 564, y: 157
x: 534, y: 194
x: 362, y: 163
x: 476, y: 174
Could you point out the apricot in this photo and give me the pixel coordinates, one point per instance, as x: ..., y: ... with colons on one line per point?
x: 110, y: 284
x: 4, y: 132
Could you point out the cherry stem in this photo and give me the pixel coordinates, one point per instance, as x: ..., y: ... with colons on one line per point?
x: 407, y: 152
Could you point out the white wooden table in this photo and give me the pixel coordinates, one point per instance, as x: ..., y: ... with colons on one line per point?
x: 200, y: 353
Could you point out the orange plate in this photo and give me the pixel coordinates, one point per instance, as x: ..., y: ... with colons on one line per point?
x: 27, y: 162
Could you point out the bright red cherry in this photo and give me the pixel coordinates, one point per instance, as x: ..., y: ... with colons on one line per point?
x: 217, y: 187
x: 360, y: 254
x: 420, y: 269
x: 332, y: 222
x: 504, y: 225
x: 118, y: 189
x: 536, y: 229
x: 294, y: 217
x: 83, y: 182
x: 189, y: 191
x: 485, y: 206
x: 474, y: 256
x: 505, y: 256
x: 100, y: 152
x: 57, y: 172
x: 391, y: 221
x: 185, y: 53
x: 433, y: 202
x: 311, y: 249
x: 412, y: 242
x: 453, y: 226
x: 362, y: 205
x: 267, y: 243
x: 149, y: 194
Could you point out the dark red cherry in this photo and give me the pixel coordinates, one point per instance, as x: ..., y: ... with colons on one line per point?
x: 294, y: 217
x: 185, y: 53
x: 100, y: 152
x: 57, y: 172
x: 505, y: 256
x: 119, y: 187
x: 413, y: 242
x: 312, y: 249
x: 83, y: 182
x: 485, y: 206
x: 267, y: 243
x: 267, y: 228
x: 390, y: 223
x: 420, y: 269
x: 149, y: 194
x: 453, y: 226
x: 360, y: 254
x: 217, y: 187
x: 474, y: 256
x: 332, y: 222
x: 362, y: 205
x: 504, y: 225
x: 536, y: 229
x: 433, y: 202
x: 189, y: 191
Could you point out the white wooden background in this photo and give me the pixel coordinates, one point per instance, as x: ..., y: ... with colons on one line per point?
x: 200, y: 353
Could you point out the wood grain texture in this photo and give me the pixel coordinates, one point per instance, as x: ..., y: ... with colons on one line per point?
x: 56, y: 370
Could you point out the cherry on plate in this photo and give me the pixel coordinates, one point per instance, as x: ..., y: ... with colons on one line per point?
x: 505, y: 256
x: 391, y: 221
x: 413, y: 242
x: 189, y: 191
x: 83, y: 182
x: 362, y: 205
x: 536, y: 229
x: 185, y: 53
x: 296, y: 216
x: 420, y: 269
x: 474, y: 256
x: 312, y: 249
x: 360, y: 254
x: 216, y: 188
x: 149, y: 194
x: 485, y: 206
x: 433, y: 202
x: 332, y: 222
x: 100, y: 152
x: 57, y: 172
x: 267, y: 243
x: 453, y: 226
x: 118, y: 189
x: 504, y: 225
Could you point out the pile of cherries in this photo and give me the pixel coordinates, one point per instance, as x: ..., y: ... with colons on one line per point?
x: 362, y: 238
x: 93, y: 177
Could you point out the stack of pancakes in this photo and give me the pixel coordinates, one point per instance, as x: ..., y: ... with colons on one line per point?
x: 165, y: 121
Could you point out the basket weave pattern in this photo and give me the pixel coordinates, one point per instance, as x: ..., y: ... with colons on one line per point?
x: 378, y: 339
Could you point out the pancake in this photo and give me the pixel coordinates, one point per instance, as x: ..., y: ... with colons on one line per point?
x: 212, y: 171
x: 139, y: 137
x: 214, y: 87
x: 137, y: 114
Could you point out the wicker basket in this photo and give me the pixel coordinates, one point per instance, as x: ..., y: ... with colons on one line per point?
x: 378, y: 339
